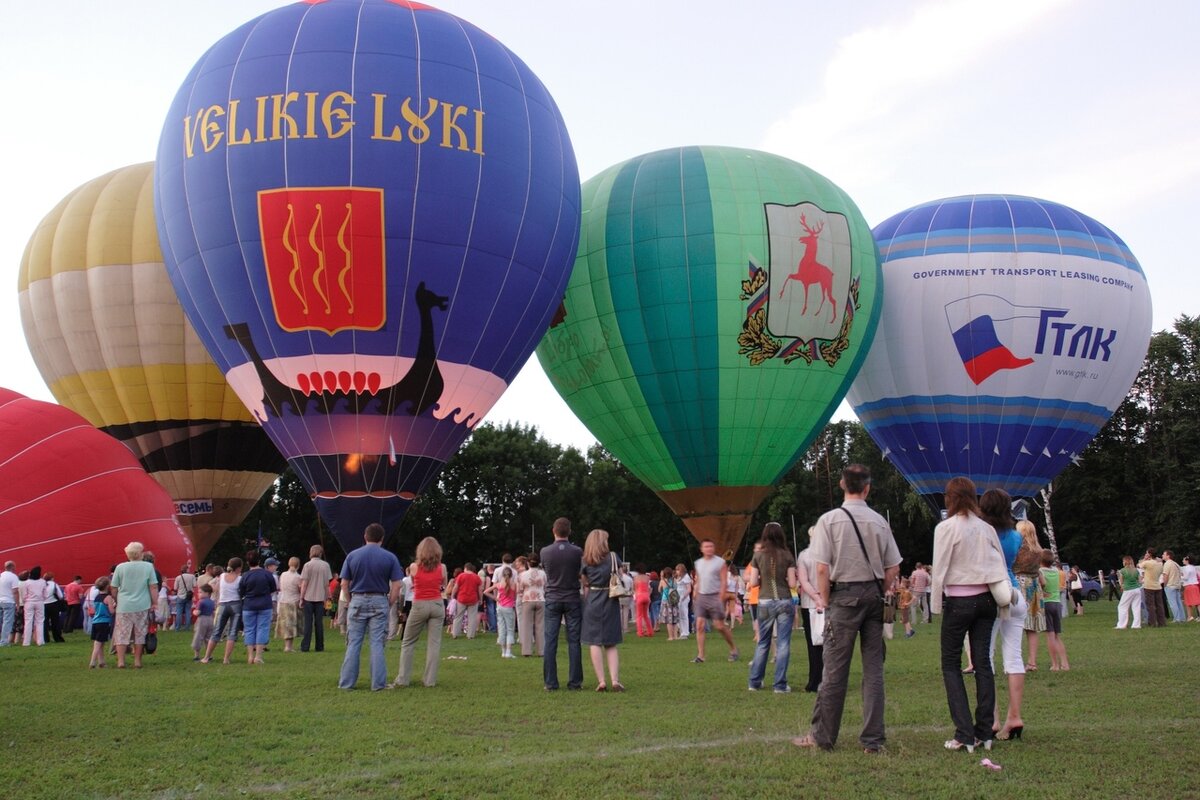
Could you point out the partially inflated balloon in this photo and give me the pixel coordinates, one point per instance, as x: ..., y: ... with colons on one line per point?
x: 369, y: 209
x: 1012, y: 329
x: 110, y: 339
x: 719, y: 308
x: 71, y: 497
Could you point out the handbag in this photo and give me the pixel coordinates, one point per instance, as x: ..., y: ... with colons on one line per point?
x: 817, y: 620
x: 151, y: 635
x: 1003, y: 592
x: 615, y: 587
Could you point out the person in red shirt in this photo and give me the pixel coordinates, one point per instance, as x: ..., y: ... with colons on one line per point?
x: 74, y: 591
x: 466, y: 592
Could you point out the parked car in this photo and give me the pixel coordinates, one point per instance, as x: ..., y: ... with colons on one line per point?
x: 1092, y: 588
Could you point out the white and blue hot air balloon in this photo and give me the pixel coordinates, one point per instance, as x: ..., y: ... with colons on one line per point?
x: 1011, y: 330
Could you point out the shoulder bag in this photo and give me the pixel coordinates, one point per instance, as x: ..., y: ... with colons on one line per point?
x: 615, y: 587
x: 889, y: 603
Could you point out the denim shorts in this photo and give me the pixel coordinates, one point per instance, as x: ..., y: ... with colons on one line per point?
x: 227, y: 622
x: 257, y: 625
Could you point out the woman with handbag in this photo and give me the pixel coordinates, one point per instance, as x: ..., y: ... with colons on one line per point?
x: 601, y: 609
x: 813, y: 606
x: 996, y: 506
x: 966, y: 559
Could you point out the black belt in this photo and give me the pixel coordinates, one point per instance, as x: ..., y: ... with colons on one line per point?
x: 849, y: 584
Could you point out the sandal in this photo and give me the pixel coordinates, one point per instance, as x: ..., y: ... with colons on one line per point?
x: 602, y: 688
x: 1031, y: 667
x: 955, y: 744
x: 618, y: 687
x: 806, y: 741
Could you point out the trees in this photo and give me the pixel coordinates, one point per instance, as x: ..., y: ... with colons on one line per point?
x: 1137, y: 484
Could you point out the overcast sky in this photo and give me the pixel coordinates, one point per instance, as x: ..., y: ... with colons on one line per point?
x: 1092, y: 104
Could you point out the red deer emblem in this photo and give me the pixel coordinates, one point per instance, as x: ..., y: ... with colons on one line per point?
x: 324, y: 255
x: 810, y: 271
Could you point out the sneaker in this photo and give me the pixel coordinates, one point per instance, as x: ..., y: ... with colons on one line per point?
x: 735, y: 655
x: 697, y: 660
x: 910, y: 634
x: 753, y: 688
x: 784, y: 690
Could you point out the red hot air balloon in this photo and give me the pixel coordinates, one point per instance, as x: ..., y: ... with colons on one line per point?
x: 72, y: 497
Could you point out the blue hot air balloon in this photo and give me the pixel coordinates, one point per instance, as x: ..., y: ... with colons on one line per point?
x: 1011, y: 330
x: 369, y: 210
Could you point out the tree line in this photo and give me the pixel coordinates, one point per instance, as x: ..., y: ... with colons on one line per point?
x: 1136, y: 485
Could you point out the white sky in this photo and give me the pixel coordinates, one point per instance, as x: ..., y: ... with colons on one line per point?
x: 1092, y: 104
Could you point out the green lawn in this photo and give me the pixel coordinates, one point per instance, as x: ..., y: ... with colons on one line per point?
x: 1124, y: 721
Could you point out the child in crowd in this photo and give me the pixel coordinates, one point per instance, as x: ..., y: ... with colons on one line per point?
x: 205, y: 610
x: 904, y: 601
x: 103, y: 609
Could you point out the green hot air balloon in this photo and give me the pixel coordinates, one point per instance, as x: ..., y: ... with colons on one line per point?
x: 721, y: 304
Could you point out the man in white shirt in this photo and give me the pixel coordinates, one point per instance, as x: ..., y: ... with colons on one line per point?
x: 8, y: 602
x: 709, y: 588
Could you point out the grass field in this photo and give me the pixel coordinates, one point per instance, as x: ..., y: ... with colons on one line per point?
x: 1123, y: 722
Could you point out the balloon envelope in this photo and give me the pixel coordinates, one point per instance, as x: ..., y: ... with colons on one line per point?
x: 369, y: 210
x: 719, y: 307
x: 71, y: 497
x: 110, y: 339
x: 1012, y: 328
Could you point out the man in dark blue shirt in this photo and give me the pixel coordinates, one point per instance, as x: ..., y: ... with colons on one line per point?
x: 563, y: 563
x: 374, y: 577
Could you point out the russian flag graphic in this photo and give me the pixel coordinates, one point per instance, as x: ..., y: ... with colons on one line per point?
x: 973, y: 325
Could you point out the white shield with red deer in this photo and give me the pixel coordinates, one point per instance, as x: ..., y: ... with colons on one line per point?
x: 809, y: 271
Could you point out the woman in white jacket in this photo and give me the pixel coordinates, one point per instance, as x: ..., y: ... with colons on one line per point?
x: 966, y: 558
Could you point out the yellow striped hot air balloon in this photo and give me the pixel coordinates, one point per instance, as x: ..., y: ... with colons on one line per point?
x: 111, y: 341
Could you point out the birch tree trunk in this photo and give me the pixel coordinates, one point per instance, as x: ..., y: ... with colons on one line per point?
x: 1045, y: 495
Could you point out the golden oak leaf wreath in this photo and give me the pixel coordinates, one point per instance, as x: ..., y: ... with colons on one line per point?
x: 754, y: 341
x: 757, y: 344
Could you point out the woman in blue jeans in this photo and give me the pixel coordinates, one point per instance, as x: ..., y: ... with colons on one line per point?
x: 256, y: 589
x: 773, y: 570
x: 966, y: 558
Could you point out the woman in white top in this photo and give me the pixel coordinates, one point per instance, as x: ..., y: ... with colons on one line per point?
x: 229, y: 610
x: 289, y: 604
x: 966, y: 558
x: 531, y: 584
x: 813, y: 607
x: 1191, y: 589
x: 34, y: 600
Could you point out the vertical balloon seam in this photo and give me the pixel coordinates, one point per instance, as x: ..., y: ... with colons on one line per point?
x: 709, y: 426
x: 590, y: 272
x: 445, y: 434
x: 93, y: 239
x: 693, y: 448
x: 1040, y: 399
x: 644, y: 363
x: 52, y: 248
x: 629, y: 172
x: 635, y: 427
x: 919, y: 457
x: 636, y: 424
